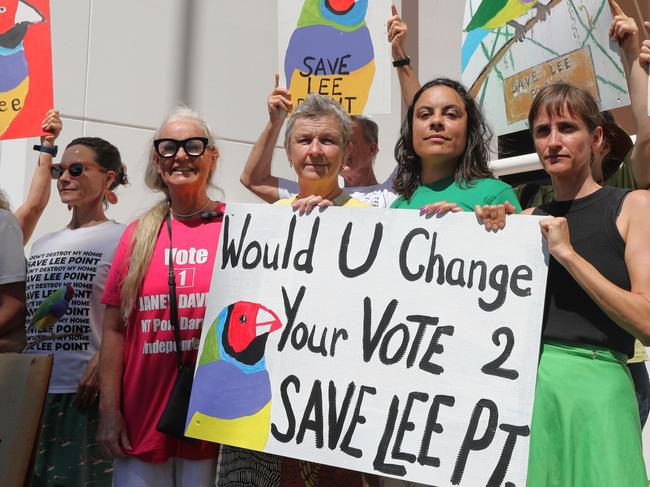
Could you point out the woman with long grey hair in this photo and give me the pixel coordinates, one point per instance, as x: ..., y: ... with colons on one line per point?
x: 138, y: 360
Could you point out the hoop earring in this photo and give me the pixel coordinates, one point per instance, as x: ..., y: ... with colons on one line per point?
x: 290, y: 164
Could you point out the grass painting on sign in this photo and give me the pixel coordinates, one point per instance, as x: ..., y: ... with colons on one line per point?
x: 25, y: 67
x: 512, y: 48
x: 336, y: 48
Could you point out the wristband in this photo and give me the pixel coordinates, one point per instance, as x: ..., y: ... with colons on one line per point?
x: 402, y: 62
x: 53, y: 151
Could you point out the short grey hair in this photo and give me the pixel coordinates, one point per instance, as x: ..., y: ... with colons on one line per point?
x: 181, y: 112
x: 316, y: 106
x: 4, y: 201
x: 369, y: 128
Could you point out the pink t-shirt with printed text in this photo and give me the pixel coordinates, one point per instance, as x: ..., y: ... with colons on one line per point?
x: 150, y: 363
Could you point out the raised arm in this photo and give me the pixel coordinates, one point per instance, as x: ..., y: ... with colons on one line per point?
x: 639, y: 95
x: 629, y: 309
x: 38, y: 196
x: 256, y: 175
x: 625, y: 32
x: 397, y: 31
x: 112, y: 435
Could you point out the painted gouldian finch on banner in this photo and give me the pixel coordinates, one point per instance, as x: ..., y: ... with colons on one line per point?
x: 15, y: 18
x: 231, y: 394
x: 330, y: 52
x: 52, y: 308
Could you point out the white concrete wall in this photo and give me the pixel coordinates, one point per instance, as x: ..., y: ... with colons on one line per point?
x: 121, y: 65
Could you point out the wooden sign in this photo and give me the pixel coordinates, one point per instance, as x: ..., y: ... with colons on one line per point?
x: 24, y: 380
x: 575, y: 67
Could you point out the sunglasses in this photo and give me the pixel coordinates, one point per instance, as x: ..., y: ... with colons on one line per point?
x: 75, y: 169
x: 193, y: 147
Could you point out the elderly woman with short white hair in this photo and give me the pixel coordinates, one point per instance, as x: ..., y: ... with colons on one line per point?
x: 317, y: 141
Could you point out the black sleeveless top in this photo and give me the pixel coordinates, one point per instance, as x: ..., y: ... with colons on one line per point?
x: 570, y: 315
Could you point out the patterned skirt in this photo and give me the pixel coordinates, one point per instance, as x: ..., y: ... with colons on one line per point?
x: 68, y: 453
x: 245, y: 468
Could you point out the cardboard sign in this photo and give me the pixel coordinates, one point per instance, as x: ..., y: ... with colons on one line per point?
x: 575, y: 67
x: 25, y: 67
x: 337, y: 49
x: 23, y: 385
x: 508, y: 40
x: 374, y: 340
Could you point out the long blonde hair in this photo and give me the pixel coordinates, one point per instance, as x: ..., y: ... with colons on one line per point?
x: 145, y: 234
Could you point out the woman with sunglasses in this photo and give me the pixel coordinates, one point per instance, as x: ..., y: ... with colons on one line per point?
x: 138, y: 359
x: 66, y: 273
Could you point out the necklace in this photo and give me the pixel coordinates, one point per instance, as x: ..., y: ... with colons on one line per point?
x: 187, y: 215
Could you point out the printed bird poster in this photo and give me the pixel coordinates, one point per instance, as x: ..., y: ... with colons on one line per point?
x: 336, y: 48
x: 512, y: 48
x: 25, y: 67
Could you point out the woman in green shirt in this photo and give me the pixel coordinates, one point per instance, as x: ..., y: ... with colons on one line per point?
x: 442, y: 156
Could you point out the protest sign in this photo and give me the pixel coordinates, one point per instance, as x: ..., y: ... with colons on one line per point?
x: 512, y: 49
x: 336, y: 48
x: 24, y: 380
x: 25, y: 67
x: 375, y: 340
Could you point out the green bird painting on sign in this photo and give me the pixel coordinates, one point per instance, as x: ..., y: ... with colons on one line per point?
x: 492, y: 14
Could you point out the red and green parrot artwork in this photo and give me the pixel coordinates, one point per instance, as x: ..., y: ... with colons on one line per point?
x: 231, y: 393
x: 52, y: 308
x: 331, y: 53
x: 16, y: 16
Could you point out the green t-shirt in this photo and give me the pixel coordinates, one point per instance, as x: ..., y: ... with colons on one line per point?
x: 487, y: 191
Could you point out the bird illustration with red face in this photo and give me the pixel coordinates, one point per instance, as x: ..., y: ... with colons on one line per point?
x: 15, y: 18
x: 231, y: 393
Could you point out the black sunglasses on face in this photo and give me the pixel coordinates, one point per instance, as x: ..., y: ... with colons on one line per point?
x: 75, y: 169
x: 193, y: 147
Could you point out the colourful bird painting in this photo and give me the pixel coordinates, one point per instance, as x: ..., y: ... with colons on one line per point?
x: 15, y: 18
x: 52, y: 308
x: 492, y: 14
x: 231, y: 394
x: 331, y: 53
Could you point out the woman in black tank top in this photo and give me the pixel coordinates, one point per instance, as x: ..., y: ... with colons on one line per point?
x: 585, y: 428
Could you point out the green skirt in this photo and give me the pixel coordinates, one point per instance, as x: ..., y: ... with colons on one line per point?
x: 585, y: 429
x: 68, y: 454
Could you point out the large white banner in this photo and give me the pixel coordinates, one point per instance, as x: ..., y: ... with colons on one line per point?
x: 375, y: 340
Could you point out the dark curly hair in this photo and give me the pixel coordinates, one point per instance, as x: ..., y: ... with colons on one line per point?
x: 106, y: 155
x: 472, y: 165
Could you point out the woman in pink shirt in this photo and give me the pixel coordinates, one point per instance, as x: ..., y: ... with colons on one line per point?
x: 138, y: 359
